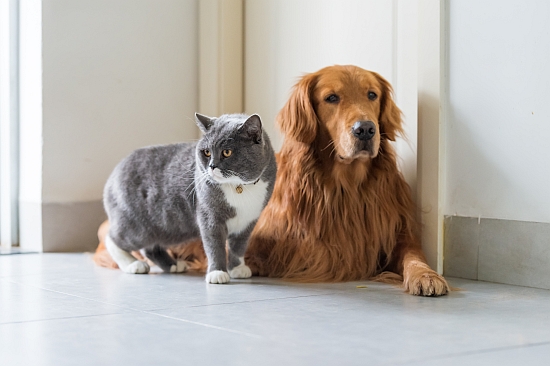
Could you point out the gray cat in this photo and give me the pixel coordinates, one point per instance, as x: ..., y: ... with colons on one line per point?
x: 214, y: 189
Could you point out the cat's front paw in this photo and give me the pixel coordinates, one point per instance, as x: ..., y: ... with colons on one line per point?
x: 217, y: 277
x: 241, y: 271
x: 180, y: 267
x: 137, y: 267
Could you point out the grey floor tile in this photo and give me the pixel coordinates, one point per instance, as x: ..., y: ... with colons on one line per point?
x: 374, y: 323
x: 21, y: 303
x: 57, y: 310
x: 142, y: 339
x: 160, y: 290
x: 42, y: 263
x: 532, y: 355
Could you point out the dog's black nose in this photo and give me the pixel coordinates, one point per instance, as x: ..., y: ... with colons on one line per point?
x: 364, y: 130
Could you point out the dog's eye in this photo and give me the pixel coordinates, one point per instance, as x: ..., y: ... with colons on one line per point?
x: 372, y: 95
x: 333, y: 98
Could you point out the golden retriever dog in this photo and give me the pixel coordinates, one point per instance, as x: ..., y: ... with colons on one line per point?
x: 340, y: 210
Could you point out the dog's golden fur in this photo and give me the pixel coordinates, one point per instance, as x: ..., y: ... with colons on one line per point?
x: 340, y: 212
x: 341, y: 209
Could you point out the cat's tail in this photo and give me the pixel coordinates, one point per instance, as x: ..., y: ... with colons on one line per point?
x: 192, y: 253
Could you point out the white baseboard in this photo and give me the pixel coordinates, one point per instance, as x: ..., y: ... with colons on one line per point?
x: 60, y: 227
x: 503, y: 251
x: 30, y: 226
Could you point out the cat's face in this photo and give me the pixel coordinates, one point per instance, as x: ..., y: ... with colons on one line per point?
x: 232, y: 148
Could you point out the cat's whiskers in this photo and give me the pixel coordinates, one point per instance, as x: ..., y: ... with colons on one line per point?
x: 185, y: 170
x: 199, y: 180
x: 189, y: 186
x: 247, y: 199
x: 180, y: 174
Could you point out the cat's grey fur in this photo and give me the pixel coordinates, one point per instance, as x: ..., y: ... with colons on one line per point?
x: 165, y: 195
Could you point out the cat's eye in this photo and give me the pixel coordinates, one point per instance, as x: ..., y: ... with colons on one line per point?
x: 207, y: 153
x: 227, y: 153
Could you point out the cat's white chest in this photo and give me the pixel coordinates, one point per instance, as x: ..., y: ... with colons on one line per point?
x: 248, y: 204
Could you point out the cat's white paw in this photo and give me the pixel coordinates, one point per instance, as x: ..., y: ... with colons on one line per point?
x: 217, y: 277
x: 241, y: 271
x: 180, y: 267
x: 137, y: 267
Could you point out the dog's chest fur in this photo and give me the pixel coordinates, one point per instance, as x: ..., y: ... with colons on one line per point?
x: 248, y: 204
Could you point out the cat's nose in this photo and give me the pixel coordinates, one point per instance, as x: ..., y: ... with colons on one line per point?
x: 213, y: 166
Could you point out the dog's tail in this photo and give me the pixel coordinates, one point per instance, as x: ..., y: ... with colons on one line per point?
x: 192, y: 253
x: 101, y: 256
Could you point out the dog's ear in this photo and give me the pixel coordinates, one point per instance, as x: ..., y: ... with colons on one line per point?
x: 297, y: 119
x: 390, y: 118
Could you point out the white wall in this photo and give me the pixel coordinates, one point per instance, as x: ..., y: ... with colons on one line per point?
x: 30, y: 125
x: 285, y: 39
x: 498, y: 122
x: 9, y: 122
x: 30, y: 101
x: 221, y: 54
x: 117, y: 75
x: 99, y: 78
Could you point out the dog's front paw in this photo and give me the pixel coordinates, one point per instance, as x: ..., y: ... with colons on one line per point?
x: 241, y: 271
x: 180, y: 267
x: 217, y: 277
x: 426, y: 282
x: 256, y: 265
x: 137, y: 267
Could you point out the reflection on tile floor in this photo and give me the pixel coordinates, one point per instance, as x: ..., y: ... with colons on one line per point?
x: 59, y: 309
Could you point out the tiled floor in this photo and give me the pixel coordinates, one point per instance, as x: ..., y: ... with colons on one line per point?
x: 59, y: 309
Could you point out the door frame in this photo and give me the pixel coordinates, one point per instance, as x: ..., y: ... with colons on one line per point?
x: 222, y: 65
x: 431, y: 126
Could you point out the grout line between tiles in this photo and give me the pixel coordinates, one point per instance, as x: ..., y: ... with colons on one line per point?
x: 476, y: 352
x: 150, y: 313
x: 501, y: 284
x: 60, y: 318
x: 246, y: 301
x: 166, y: 316
x: 257, y: 336
x: 2, y: 277
x: 158, y: 309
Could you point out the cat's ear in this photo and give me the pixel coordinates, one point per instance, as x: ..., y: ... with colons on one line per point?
x: 252, y: 128
x: 204, y: 122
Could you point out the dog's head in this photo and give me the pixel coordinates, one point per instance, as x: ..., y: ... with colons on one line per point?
x: 349, y: 109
